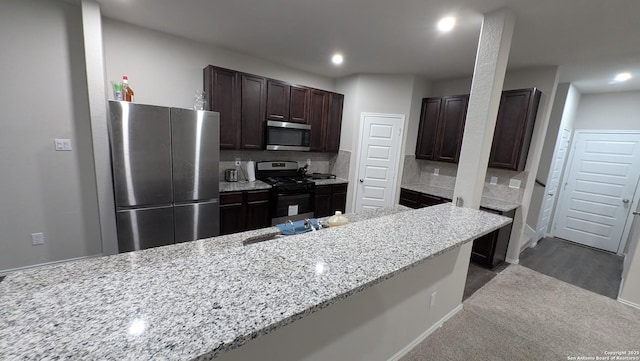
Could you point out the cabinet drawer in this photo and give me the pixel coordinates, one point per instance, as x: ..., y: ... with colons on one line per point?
x: 231, y: 198
x: 254, y: 196
x: 323, y: 190
x: 339, y: 188
x: 427, y: 200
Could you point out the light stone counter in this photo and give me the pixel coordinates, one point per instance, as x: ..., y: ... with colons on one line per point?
x: 242, y: 186
x: 486, y: 202
x: 201, y: 299
x: 323, y: 182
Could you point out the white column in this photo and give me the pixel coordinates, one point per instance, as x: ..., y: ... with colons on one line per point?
x: 96, y: 85
x: 486, y: 89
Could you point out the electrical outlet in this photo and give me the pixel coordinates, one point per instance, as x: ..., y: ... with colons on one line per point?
x: 436, y: 171
x: 432, y: 302
x: 494, y: 180
x: 309, y: 162
x: 238, y: 161
x: 62, y: 144
x: 515, y: 183
x: 37, y: 238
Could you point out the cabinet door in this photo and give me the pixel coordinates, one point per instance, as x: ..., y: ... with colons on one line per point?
x: 514, y: 128
x: 339, y: 198
x: 299, y: 104
x: 258, y: 210
x: 253, y: 109
x: 451, y: 128
x: 277, y: 100
x: 409, y: 198
x: 334, y: 123
x: 317, y: 118
x: 427, y: 200
x: 322, y: 201
x: 429, y: 116
x: 232, y: 213
x: 222, y: 88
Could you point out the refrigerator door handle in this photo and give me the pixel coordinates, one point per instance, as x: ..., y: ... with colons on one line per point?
x: 206, y: 201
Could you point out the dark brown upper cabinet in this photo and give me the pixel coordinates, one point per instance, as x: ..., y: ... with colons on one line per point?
x: 222, y: 89
x: 299, y: 104
x: 245, y: 101
x: 334, y: 123
x: 441, y: 128
x: 514, y: 128
x: 318, y: 115
x: 287, y: 103
x: 253, y: 109
x: 278, y: 100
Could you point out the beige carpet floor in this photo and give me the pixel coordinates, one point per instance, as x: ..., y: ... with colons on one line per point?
x: 524, y: 315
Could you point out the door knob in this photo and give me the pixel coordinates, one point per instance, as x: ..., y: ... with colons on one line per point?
x: 625, y: 201
x: 361, y: 180
x: 636, y: 213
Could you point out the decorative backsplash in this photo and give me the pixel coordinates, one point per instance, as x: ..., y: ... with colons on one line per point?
x: 418, y: 171
x: 320, y: 162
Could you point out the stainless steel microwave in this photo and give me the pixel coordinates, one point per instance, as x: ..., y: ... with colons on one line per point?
x: 288, y: 136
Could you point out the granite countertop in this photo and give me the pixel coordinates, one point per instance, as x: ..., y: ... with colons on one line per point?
x: 242, y: 186
x: 323, y: 182
x: 203, y: 298
x: 486, y: 202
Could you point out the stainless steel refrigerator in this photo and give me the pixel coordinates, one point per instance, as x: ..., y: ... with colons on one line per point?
x: 165, y: 173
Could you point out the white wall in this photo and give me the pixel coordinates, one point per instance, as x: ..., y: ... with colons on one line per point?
x: 166, y: 70
x: 45, y: 97
x: 630, y: 287
x: 375, y: 93
x: 617, y: 111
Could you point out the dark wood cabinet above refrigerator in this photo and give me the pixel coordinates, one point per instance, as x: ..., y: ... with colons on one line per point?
x: 246, y: 101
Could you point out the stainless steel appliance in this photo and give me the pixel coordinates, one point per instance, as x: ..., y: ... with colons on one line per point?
x: 288, y: 136
x: 165, y: 170
x: 231, y: 175
x: 292, y: 196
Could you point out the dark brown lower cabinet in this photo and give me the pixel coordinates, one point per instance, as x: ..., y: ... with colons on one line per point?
x: 330, y: 198
x: 413, y: 199
x: 243, y: 211
x: 490, y: 250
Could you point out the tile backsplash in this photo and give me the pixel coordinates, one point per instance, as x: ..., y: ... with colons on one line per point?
x: 320, y: 162
x: 418, y: 171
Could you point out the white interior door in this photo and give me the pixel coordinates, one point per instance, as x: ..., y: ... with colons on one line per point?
x: 552, y: 183
x: 599, y: 188
x: 378, y: 160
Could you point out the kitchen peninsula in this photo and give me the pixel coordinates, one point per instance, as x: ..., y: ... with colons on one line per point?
x: 210, y: 298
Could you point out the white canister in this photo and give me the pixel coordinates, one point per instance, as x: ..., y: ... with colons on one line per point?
x: 251, y: 171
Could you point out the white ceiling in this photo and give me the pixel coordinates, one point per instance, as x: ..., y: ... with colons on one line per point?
x: 590, y: 40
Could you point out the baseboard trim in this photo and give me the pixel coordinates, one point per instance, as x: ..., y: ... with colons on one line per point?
x: 405, y: 350
x: 628, y: 303
x: 512, y: 260
x: 11, y: 270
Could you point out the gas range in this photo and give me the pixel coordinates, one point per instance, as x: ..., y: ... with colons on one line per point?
x: 290, y: 183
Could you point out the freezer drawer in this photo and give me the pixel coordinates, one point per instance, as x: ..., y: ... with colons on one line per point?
x: 144, y: 228
x: 196, y: 145
x: 140, y: 137
x: 197, y: 220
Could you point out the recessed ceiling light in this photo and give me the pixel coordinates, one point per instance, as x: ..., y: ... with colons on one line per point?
x: 446, y: 24
x: 622, y: 77
x: 337, y: 59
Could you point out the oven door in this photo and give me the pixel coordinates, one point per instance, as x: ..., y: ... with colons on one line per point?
x: 292, y: 206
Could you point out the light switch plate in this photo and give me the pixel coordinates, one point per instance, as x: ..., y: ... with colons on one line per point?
x: 436, y: 171
x: 514, y: 183
x: 494, y: 180
x: 62, y: 144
